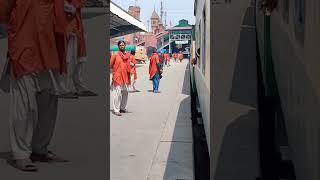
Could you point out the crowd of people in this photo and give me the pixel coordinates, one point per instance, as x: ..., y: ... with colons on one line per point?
x: 124, y: 74
x: 45, y: 61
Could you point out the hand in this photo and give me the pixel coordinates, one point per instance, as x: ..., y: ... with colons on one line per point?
x: 69, y: 8
x: 268, y: 5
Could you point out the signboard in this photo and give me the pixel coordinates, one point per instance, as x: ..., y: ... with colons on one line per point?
x: 181, y: 42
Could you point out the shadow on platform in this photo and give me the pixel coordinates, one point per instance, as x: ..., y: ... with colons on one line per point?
x: 180, y: 164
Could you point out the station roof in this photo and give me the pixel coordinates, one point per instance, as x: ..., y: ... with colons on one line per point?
x: 122, y: 23
x: 180, y: 28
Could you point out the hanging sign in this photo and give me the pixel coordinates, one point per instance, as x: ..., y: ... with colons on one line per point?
x: 181, y: 42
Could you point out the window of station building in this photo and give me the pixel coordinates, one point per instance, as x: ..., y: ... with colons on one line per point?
x: 299, y: 20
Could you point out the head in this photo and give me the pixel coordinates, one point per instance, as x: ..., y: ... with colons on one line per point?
x: 154, y: 51
x: 122, y: 46
x: 133, y: 52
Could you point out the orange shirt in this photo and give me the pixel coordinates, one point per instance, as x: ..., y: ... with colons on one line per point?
x: 133, y: 69
x: 118, y: 63
x: 153, y: 65
x: 31, y: 40
x: 65, y: 24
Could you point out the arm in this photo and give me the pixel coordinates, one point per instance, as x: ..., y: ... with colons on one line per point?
x: 131, y: 61
x: 112, y: 60
x: 158, y: 65
x: 78, y: 3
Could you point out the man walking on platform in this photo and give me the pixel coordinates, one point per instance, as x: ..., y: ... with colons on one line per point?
x: 133, y: 72
x: 180, y: 56
x: 175, y: 56
x: 155, y: 71
x: 120, y: 79
x: 32, y: 55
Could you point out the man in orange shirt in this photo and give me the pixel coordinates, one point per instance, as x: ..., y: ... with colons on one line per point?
x: 73, y: 53
x: 32, y: 56
x: 155, y: 71
x: 133, y: 72
x: 180, y: 56
x: 175, y: 56
x: 120, y: 79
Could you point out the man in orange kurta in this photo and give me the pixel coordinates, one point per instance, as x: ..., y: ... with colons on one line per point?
x: 180, y: 56
x: 72, y: 48
x: 133, y: 71
x: 32, y: 56
x: 175, y: 56
x: 120, y: 79
x: 155, y: 71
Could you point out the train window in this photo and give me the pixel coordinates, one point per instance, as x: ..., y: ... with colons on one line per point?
x: 299, y: 20
x: 285, y: 10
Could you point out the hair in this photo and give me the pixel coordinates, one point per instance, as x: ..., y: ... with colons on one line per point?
x: 133, y: 52
x: 121, y: 42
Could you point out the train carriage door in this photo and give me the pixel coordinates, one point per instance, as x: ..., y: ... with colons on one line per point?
x: 299, y: 20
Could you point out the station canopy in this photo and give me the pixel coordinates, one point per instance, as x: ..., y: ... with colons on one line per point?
x: 122, y: 23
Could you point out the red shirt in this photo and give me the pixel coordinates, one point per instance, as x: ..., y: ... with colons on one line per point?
x: 64, y: 25
x: 133, y: 69
x: 153, y: 65
x: 118, y: 63
x: 31, y: 39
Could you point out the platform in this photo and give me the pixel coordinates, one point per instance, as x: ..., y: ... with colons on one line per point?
x: 154, y: 140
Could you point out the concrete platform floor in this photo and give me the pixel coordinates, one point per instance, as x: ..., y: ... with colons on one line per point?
x: 154, y: 140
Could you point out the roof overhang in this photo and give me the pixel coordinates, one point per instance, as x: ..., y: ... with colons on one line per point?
x: 122, y: 23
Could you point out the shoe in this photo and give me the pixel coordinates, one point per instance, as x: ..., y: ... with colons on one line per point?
x: 117, y: 113
x: 123, y: 111
x: 69, y: 95
x: 49, y: 157
x: 23, y: 165
x: 137, y: 90
x: 86, y: 93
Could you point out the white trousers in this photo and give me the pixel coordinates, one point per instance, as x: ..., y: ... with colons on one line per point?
x: 133, y: 82
x: 120, y: 98
x: 33, y: 114
x: 73, y: 80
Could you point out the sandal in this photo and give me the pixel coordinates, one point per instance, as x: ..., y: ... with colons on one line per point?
x: 123, y: 111
x: 116, y: 113
x: 23, y: 165
x: 49, y: 157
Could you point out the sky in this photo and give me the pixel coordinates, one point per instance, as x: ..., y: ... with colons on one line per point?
x: 176, y: 9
